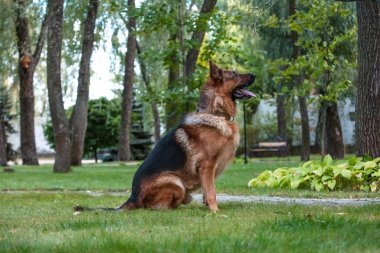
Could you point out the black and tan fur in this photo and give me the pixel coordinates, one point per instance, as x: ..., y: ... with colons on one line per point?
x: 195, y: 153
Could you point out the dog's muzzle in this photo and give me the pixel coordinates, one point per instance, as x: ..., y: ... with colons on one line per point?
x: 241, y: 92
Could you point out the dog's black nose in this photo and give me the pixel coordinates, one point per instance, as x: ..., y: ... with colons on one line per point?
x: 253, y: 76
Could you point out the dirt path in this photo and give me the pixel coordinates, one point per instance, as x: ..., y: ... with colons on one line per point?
x: 232, y: 198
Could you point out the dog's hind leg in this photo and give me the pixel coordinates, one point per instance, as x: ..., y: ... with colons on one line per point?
x: 129, y: 205
x: 187, y: 199
x: 163, y: 192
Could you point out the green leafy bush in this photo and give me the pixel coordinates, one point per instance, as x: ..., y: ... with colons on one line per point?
x: 356, y: 173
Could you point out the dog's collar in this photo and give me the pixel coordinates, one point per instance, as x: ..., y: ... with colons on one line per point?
x: 224, y: 115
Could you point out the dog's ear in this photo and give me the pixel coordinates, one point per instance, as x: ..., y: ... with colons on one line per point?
x: 215, y: 72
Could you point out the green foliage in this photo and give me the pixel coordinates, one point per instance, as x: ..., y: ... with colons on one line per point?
x: 264, y: 127
x: 227, y: 41
x: 233, y: 43
x: 103, y: 125
x: 158, y: 27
x: 103, y: 128
x: 8, y: 41
x: 356, y: 173
x: 327, y: 42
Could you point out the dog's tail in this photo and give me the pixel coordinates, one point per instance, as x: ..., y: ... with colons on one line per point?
x: 128, y: 205
x: 85, y: 208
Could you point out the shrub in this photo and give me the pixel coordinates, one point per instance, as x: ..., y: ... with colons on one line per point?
x: 356, y: 173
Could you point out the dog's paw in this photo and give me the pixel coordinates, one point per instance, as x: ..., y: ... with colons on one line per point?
x: 214, y: 209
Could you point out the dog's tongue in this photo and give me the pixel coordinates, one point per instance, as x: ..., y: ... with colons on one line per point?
x: 248, y: 93
x: 243, y: 94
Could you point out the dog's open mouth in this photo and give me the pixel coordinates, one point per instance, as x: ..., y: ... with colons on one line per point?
x: 241, y: 92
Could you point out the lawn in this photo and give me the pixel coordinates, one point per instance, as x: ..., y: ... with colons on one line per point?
x: 42, y: 220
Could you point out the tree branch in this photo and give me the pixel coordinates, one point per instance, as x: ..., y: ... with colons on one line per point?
x: 197, y: 36
x: 41, y: 39
x: 22, y: 30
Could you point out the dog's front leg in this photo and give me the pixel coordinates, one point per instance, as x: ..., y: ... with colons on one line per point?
x: 204, y: 199
x: 207, y: 174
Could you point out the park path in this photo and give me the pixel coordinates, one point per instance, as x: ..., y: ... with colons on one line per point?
x: 288, y: 200
x: 234, y: 198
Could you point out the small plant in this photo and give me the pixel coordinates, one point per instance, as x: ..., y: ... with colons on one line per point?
x: 356, y: 173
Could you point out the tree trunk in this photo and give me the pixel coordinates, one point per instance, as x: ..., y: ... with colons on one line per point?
x: 27, y: 66
x: 3, y: 145
x: 319, y: 131
x: 156, y: 115
x: 302, y: 100
x: 27, y: 133
x: 368, y: 85
x: 157, y: 123
x: 125, y: 142
x: 96, y: 155
x: 333, y: 136
x: 281, y: 120
x: 173, y: 108
x: 59, y: 121
x: 305, y: 148
x: 198, y: 35
x: 281, y: 117
x: 78, y: 121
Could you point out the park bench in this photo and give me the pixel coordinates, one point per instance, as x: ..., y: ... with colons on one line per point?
x: 272, y: 148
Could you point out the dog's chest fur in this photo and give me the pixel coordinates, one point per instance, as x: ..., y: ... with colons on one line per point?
x: 206, y: 138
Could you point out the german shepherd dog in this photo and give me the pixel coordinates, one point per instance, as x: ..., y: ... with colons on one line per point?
x: 195, y: 153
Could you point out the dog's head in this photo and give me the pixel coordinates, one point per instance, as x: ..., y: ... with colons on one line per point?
x: 222, y: 89
x: 231, y: 82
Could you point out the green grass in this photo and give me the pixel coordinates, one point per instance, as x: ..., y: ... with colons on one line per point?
x: 118, y: 177
x: 43, y: 221
x: 106, y: 177
x: 33, y: 222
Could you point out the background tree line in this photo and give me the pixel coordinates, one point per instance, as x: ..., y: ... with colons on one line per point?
x: 295, y: 47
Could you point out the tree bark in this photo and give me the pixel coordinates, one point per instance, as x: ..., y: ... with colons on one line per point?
x: 145, y: 77
x: 281, y: 117
x: 3, y: 145
x: 78, y: 121
x: 305, y: 148
x: 368, y: 85
x: 59, y: 121
x: 319, y: 131
x: 26, y: 69
x: 333, y: 136
x: 198, y: 36
x: 125, y: 142
x: 96, y: 155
